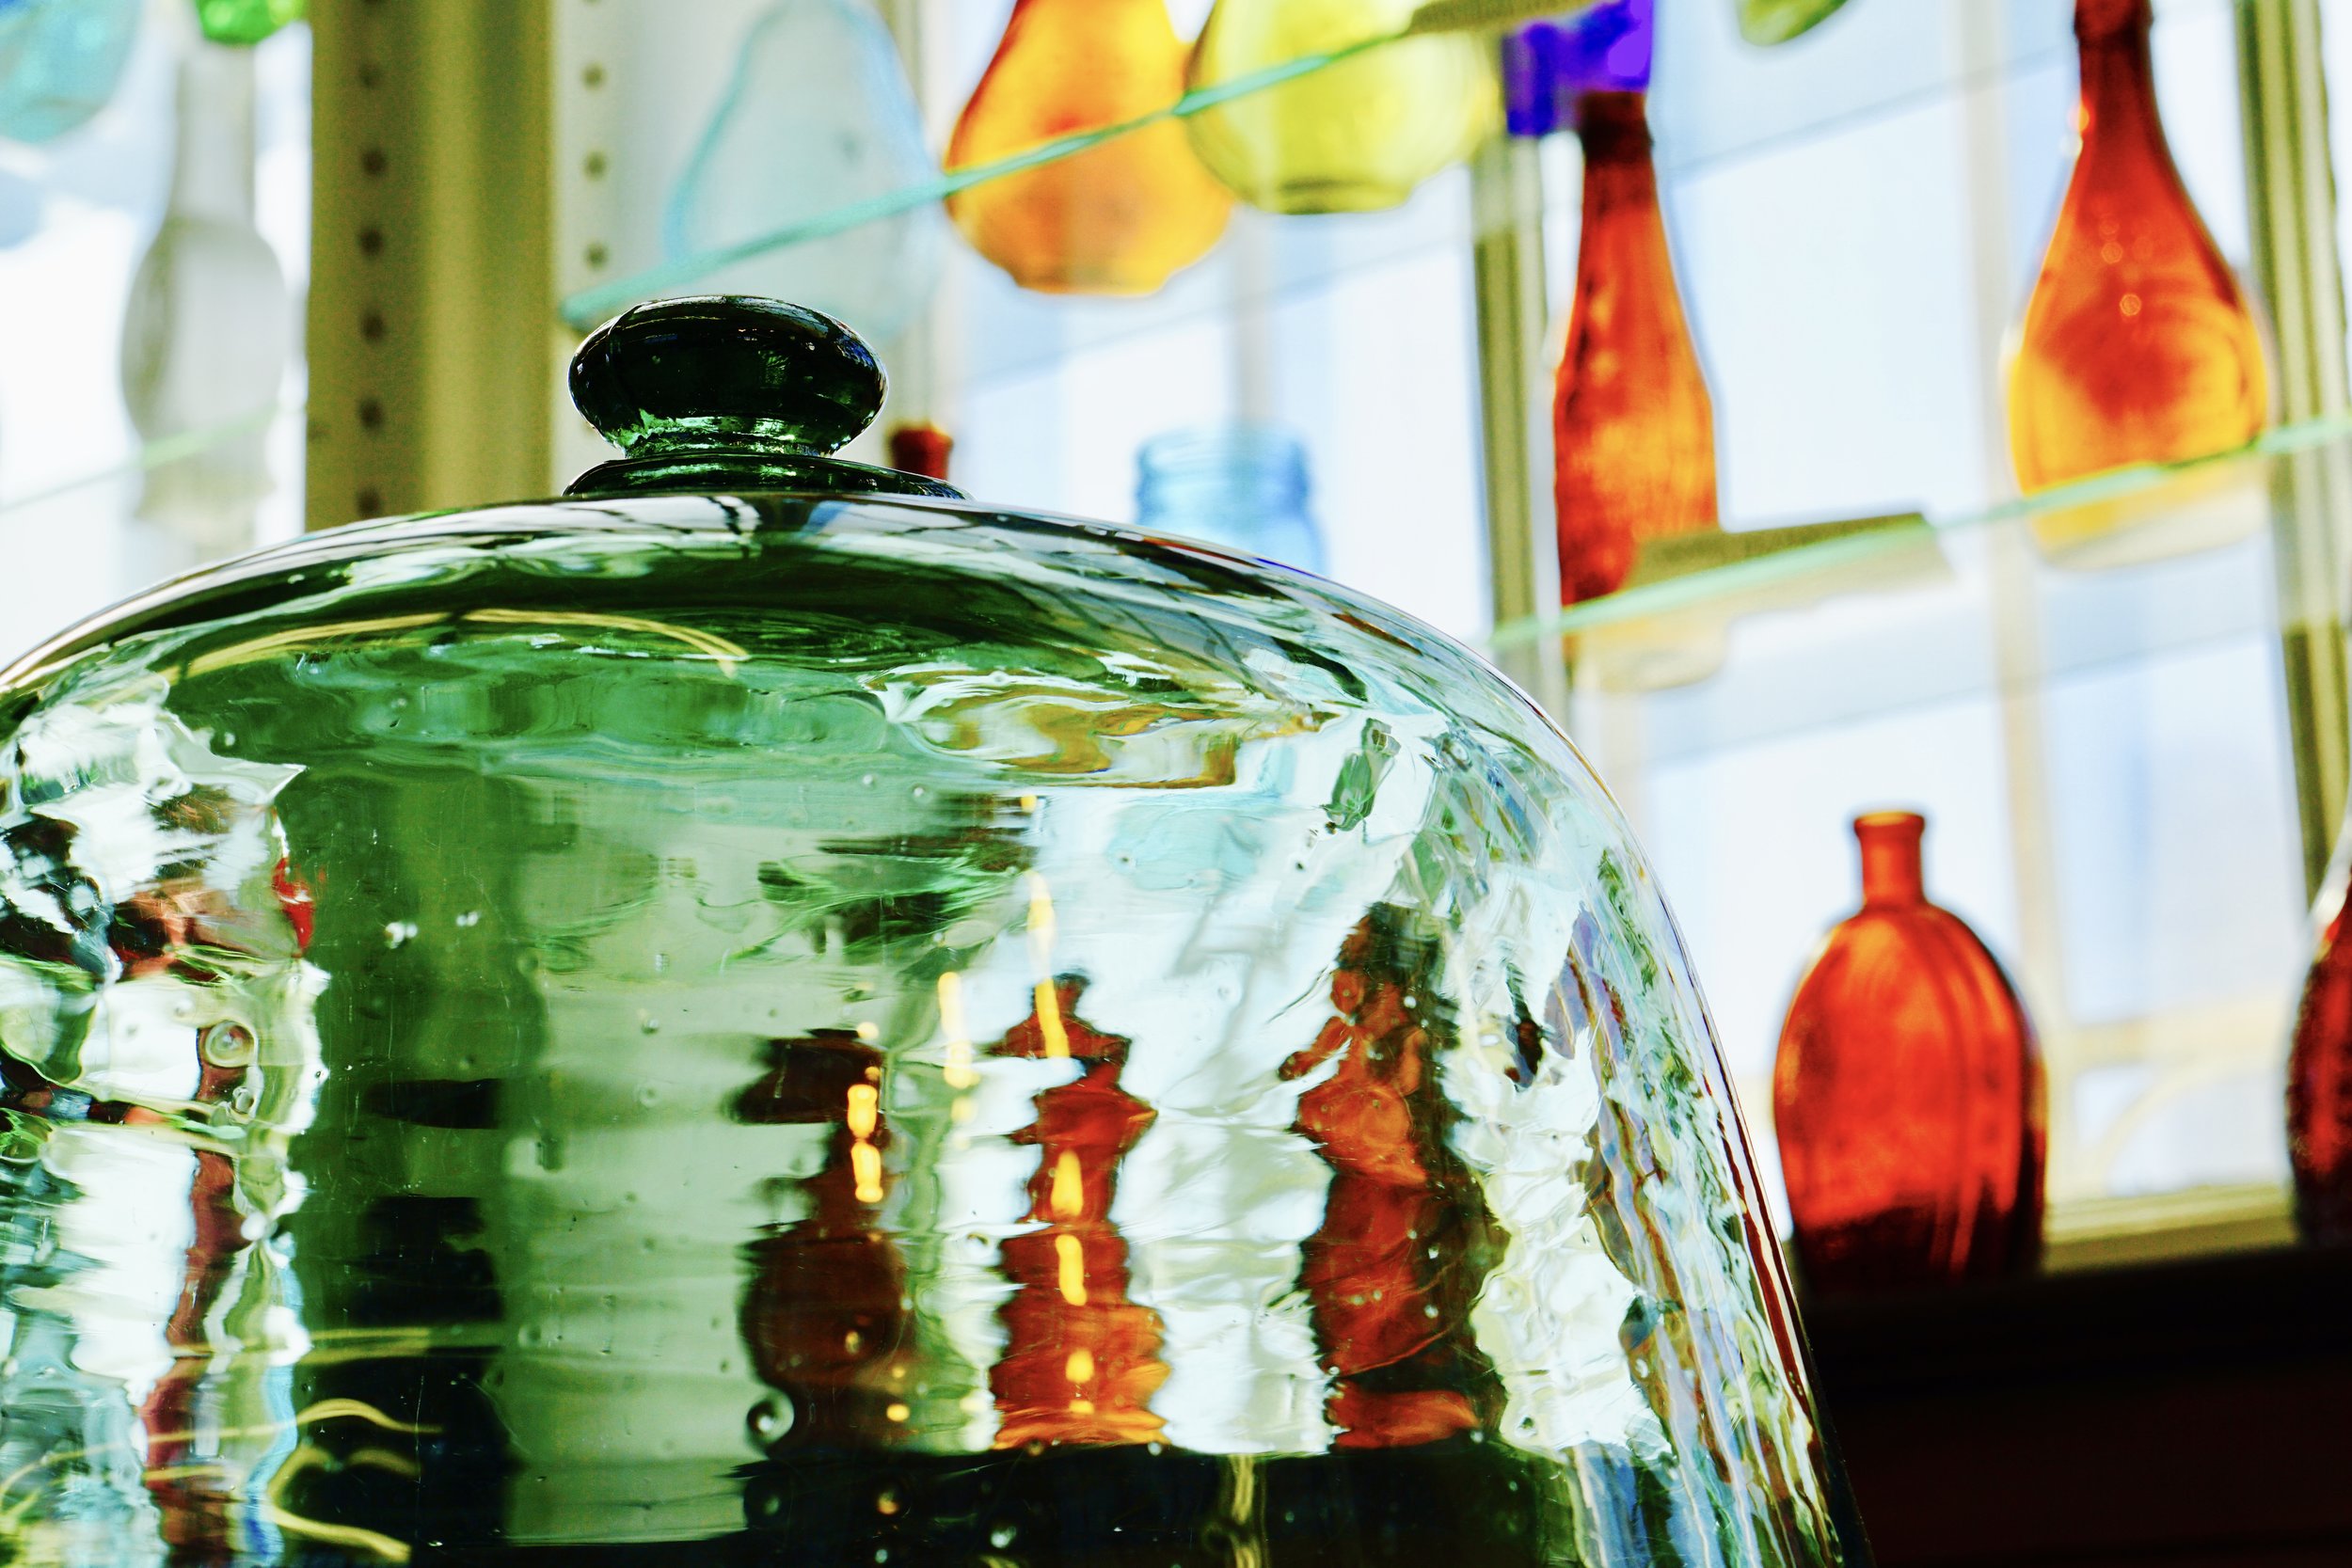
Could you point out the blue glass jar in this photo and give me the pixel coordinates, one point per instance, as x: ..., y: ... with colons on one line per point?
x: 1240, y: 486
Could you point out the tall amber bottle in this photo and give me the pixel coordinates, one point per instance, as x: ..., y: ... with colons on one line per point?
x: 2319, y: 1072
x: 1908, y: 1093
x: 2136, y: 345
x: 1116, y: 220
x: 1633, y: 431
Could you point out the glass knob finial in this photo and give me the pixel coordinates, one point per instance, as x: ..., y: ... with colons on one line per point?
x: 731, y: 391
x: 726, y: 370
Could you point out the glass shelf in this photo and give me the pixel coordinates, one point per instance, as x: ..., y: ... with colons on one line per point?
x: 584, y: 308
x: 2121, y: 566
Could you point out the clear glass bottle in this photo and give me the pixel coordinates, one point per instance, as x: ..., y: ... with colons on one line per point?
x: 2136, y: 345
x: 1120, y: 218
x: 1241, y: 486
x: 1634, y: 430
x: 763, y: 1013
x: 59, y: 62
x: 209, y: 327
x: 1908, y: 1095
x: 1352, y: 137
x: 817, y: 114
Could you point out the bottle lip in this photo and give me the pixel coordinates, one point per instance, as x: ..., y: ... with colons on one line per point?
x: 1241, y: 455
x: 1889, y: 824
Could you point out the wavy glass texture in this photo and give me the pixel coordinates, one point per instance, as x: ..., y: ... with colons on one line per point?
x: 1354, y: 138
x: 2136, y: 344
x: 1908, y: 1093
x: 1119, y: 218
x: 835, y: 1029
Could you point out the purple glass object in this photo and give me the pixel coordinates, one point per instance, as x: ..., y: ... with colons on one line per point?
x: 1548, y: 65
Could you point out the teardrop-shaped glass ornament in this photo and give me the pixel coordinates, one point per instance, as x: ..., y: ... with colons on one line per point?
x: 1634, y: 430
x: 2319, y: 1069
x: 1908, y: 1092
x: 818, y: 115
x: 1116, y: 220
x: 59, y: 62
x: 246, y: 22
x: 207, y: 329
x: 2136, y: 344
x: 1241, y: 486
x: 1351, y: 137
x: 1768, y: 22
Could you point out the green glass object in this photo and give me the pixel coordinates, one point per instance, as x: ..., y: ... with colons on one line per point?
x: 1769, y: 22
x: 246, y: 22
x: 695, y: 1022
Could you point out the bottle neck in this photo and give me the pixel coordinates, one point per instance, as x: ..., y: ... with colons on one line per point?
x: 1891, y: 873
x: 1614, y: 128
x: 212, y: 162
x: 2119, y: 90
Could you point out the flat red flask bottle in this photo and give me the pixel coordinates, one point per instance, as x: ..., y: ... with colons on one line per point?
x: 1634, y: 430
x: 1908, y: 1093
x: 2138, y: 345
x: 2319, y: 1077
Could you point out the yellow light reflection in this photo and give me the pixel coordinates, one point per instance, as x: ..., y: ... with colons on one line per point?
x: 960, y: 1073
x: 1066, y: 1196
x: 1080, y: 1368
x: 862, y: 1115
x: 1072, y: 1268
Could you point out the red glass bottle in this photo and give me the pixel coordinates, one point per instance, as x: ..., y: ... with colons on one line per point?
x: 2138, y: 345
x: 2319, y: 1075
x: 1908, y: 1093
x: 921, y: 448
x: 1634, y: 430
x: 1081, y: 1361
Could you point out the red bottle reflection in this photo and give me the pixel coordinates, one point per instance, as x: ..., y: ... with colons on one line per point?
x: 2319, y: 1079
x: 1908, y: 1093
x: 2138, y: 345
x: 1634, y: 430
x: 1388, y: 1274
x: 1081, y: 1361
x: 823, y: 1319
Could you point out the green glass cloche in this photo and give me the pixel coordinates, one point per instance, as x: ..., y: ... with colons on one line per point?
x: 761, y: 1013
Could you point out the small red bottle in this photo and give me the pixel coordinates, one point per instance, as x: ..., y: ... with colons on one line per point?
x: 1634, y: 430
x: 1908, y: 1093
x: 2319, y: 1077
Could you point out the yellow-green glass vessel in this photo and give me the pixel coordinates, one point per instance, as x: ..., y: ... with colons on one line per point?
x: 1355, y: 137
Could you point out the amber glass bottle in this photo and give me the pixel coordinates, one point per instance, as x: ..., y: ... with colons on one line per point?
x: 2319, y: 1076
x: 1633, y: 429
x: 2137, y: 346
x: 1908, y: 1093
x: 1116, y: 220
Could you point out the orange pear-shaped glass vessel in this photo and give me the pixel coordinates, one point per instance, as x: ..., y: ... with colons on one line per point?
x: 2137, y: 347
x: 1633, y: 431
x: 2319, y: 1072
x: 1908, y: 1094
x: 1115, y: 219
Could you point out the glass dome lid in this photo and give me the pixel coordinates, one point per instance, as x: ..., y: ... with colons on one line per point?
x: 762, y: 1004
